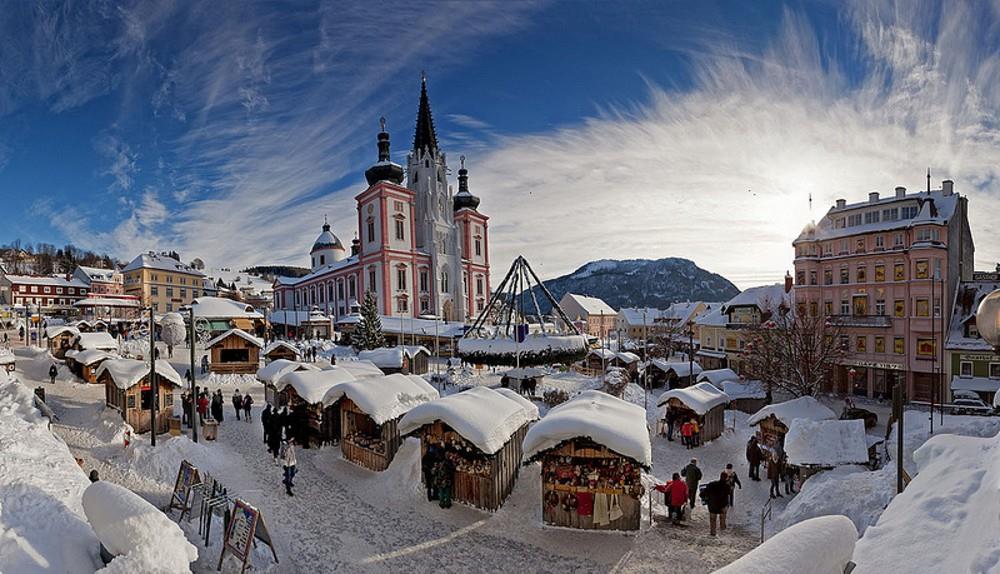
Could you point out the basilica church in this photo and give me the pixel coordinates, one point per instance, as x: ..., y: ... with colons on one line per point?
x: 420, y: 248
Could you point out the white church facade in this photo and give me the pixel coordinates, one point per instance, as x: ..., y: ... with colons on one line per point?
x: 421, y: 249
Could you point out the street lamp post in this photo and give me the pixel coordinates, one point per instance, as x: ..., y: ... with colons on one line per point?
x: 690, y: 333
x: 153, y: 383
x: 192, y: 404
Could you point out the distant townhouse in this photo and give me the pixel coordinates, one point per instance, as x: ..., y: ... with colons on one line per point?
x: 53, y: 294
x: 591, y: 315
x: 101, y: 281
x: 722, y: 331
x: 637, y: 322
x: 880, y: 270
x: 973, y: 365
x: 162, y: 282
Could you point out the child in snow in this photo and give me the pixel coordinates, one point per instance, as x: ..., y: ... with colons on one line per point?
x: 695, y: 433
x: 687, y: 431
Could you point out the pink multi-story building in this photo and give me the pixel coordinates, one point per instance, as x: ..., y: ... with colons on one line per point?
x: 885, y: 272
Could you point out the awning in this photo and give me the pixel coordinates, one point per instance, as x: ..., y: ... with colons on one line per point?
x: 244, y: 324
x: 712, y: 354
x: 977, y: 384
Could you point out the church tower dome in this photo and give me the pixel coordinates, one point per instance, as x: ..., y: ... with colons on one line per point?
x: 384, y: 169
x: 464, y: 198
x: 327, y: 248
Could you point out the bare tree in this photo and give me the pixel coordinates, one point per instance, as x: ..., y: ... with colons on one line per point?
x: 793, y: 352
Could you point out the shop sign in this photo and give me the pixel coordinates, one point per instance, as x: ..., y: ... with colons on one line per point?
x: 979, y: 357
x: 873, y: 364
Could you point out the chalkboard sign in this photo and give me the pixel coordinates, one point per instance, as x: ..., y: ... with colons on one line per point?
x: 187, y: 477
x: 245, y: 525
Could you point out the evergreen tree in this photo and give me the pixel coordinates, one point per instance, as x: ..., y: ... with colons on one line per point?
x: 368, y: 334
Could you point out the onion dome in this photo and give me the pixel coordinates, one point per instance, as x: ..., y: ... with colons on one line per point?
x: 326, y: 240
x: 464, y: 198
x: 384, y: 169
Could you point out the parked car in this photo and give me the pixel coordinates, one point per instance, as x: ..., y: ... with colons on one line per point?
x: 970, y: 406
x: 852, y: 414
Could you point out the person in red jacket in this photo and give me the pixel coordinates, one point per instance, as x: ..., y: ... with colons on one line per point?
x: 676, y: 494
x: 687, y: 434
x: 202, y: 407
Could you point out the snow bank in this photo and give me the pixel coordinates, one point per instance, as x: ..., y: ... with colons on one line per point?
x: 853, y: 491
x: 948, y: 517
x: 384, y: 398
x: 612, y: 422
x: 821, y: 545
x: 826, y: 443
x: 127, y: 372
x: 237, y: 380
x: 700, y: 398
x: 161, y: 462
x: 129, y: 526
x: 483, y: 416
x: 42, y: 526
x: 800, y: 408
x: 312, y: 386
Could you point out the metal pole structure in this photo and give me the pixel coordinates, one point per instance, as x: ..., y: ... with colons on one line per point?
x: 934, y: 385
x: 645, y: 359
x: 897, y: 405
x: 192, y: 416
x: 437, y: 350
x: 690, y: 326
x: 154, y: 387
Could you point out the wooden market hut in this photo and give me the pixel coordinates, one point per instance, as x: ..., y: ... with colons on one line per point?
x: 592, y: 449
x: 772, y: 421
x: 234, y: 351
x: 405, y: 359
x: 282, y: 350
x: 315, y: 423
x: 370, y: 410
x: 629, y: 361
x: 271, y: 376
x: 85, y: 364
x: 673, y: 374
x: 128, y: 390
x: 815, y: 445
x: 481, y: 432
x: 745, y: 396
x: 524, y: 380
x: 597, y: 359
x: 702, y: 402
x: 61, y: 339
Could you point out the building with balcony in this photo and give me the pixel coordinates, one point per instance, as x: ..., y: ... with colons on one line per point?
x: 52, y: 294
x: 162, y: 282
x: 721, y: 332
x: 880, y: 270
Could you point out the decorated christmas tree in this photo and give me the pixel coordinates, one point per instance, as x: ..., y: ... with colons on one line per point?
x: 368, y: 334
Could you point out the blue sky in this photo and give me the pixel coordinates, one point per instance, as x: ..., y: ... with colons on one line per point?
x: 592, y: 129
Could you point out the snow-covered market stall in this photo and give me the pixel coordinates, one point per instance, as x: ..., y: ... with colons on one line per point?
x: 813, y: 446
x: 672, y: 374
x: 593, y: 449
x: 717, y: 376
x: 281, y: 350
x: 234, y: 352
x: 478, y: 433
x: 406, y: 359
x: 314, y: 423
x: 745, y: 396
x: 128, y: 390
x: 702, y: 402
x: 60, y: 339
x: 772, y: 421
x: 84, y: 364
x: 100, y: 340
x: 524, y: 380
x: 273, y: 372
x: 370, y: 410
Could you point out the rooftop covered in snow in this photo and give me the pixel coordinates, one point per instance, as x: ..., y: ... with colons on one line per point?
x: 98, y: 340
x: 312, y: 386
x: 716, y: 376
x: 126, y: 373
x: 222, y: 308
x: 237, y: 333
x: 384, y: 398
x: 700, y: 398
x: 275, y: 370
x: 786, y: 412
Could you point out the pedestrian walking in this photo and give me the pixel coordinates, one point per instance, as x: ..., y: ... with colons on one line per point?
x: 774, y: 471
x: 237, y: 403
x: 247, y: 405
x: 717, y: 500
x: 217, y: 402
x: 274, y: 436
x: 687, y: 431
x: 733, y: 480
x: 788, y: 475
x: 265, y: 422
x: 288, y: 464
x: 53, y: 371
x: 754, y: 457
x: 185, y: 409
x: 204, y: 364
x: 671, y: 420
x: 692, y: 476
x: 676, y: 494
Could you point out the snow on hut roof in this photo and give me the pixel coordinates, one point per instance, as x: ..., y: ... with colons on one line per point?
x: 744, y: 390
x: 482, y: 416
x: 826, y: 442
x: 312, y: 386
x: 384, y: 358
x: 700, y: 398
x: 603, y: 354
x: 360, y: 369
x: 716, y: 376
x: 522, y: 373
x: 275, y: 370
x: 609, y: 421
x: 239, y: 333
x: 88, y: 357
x: 282, y: 345
x: 384, y: 398
x: 800, y: 408
x: 222, y: 308
x: 126, y: 373
x: 52, y: 332
x: 99, y: 340
x: 627, y: 357
x: 681, y: 368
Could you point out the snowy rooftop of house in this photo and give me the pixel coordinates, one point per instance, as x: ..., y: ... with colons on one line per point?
x: 700, y: 397
x: 275, y: 370
x: 633, y: 316
x: 800, y: 408
x: 126, y: 373
x: 603, y: 354
x: 90, y: 356
x: 295, y: 318
x: 764, y: 297
x: 312, y: 386
x: 332, y: 266
x: 50, y: 280
x: 743, y: 389
x: 626, y: 357
x: 51, y: 332
x: 681, y: 368
x: 713, y: 317
x: 609, y: 421
x: 282, y: 345
x: 384, y: 398
x: 239, y: 333
x: 978, y: 384
x: 716, y: 376
x: 98, y: 274
x: 161, y: 262
x: 826, y: 442
x: 222, y: 308
x: 243, y: 281
x: 99, y: 340
x: 938, y: 211
x: 359, y: 368
x: 592, y: 305
x: 967, y: 299
x: 682, y: 311
x: 407, y: 326
x: 485, y: 417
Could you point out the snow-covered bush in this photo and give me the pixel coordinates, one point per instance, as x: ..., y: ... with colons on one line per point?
x: 615, y: 382
x: 554, y: 397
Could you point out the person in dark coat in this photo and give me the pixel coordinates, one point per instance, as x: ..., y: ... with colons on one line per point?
x: 287, y: 422
x: 717, y: 499
x: 247, y: 405
x: 217, y: 402
x: 185, y: 409
x: 788, y: 475
x: 237, y: 403
x: 265, y: 421
x: 734, y: 481
x: 53, y: 371
x: 692, y: 476
x: 427, y: 463
x: 754, y: 457
x: 274, y: 434
x: 444, y: 478
x: 774, y: 472
x: 671, y: 420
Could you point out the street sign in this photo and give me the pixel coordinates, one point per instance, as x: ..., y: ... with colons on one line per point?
x: 187, y: 477
x: 246, y: 524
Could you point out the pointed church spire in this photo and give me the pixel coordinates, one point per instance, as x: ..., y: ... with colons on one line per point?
x: 424, y: 136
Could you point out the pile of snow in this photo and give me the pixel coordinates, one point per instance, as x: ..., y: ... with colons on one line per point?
x: 800, y: 408
x: 236, y: 380
x: 125, y: 373
x: 161, y: 462
x: 700, y: 398
x: 614, y: 423
x: 275, y: 370
x: 485, y: 417
x: 821, y: 545
x: 718, y: 376
x: 360, y: 369
x: 42, y: 526
x: 312, y: 386
x: 384, y: 398
x: 948, y: 517
x: 854, y: 491
x: 129, y: 527
x: 826, y: 443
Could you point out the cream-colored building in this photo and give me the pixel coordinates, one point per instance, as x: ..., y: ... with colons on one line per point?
x: 162, y: 282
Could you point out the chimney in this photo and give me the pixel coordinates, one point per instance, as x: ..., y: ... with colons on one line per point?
x: 900, y: 191
x: 948, y: 187
x: 873, y: 197
x: 841, y: 203
x: 788, y: 281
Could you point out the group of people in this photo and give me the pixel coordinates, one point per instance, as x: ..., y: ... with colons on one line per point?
x: 242, y: 403
x: 718, y: 496
x: 690, y: 430
x: 778, y: 469
x: 439, y: 475
x: 279, y: 436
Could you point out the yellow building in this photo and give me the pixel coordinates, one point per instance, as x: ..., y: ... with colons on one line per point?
x: 162, y: 282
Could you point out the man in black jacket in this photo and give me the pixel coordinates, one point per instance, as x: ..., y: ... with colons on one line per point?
x: 717, y: 498
x: 692, y: 476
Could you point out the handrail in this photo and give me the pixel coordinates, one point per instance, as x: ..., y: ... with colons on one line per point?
x: 765, y: 514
